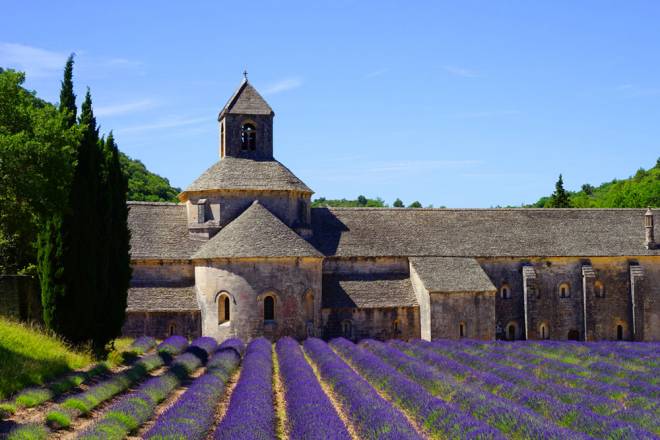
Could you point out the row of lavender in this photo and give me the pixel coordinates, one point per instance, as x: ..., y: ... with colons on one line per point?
x: 398, y: 390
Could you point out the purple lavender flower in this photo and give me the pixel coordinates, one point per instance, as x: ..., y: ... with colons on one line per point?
x: 309, y: 410
x: 373, y: 416
x: 135, y: 408
x: 203, y: 347
x: 512, y: 419
x: 173, y: 345
x: 142, y: 345
x: 251, y: 414
x: 441, y: 419
x: 192, y: 416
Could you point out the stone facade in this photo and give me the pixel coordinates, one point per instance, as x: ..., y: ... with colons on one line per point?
x: 245, y: 255
x: 291, y: 282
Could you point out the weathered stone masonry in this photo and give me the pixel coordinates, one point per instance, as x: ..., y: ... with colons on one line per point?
x: 245, y: 255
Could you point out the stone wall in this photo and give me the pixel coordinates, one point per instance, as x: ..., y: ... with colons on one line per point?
x: 232, y: 133
x: 162, y: 273
x: 377, y: 323
x: 20, y: 298
x: 247, y: 282
x: 565, y: 317
x: 162, y: 324
x: 475, y: 311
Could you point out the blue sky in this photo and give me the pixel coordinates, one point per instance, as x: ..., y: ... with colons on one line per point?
x: 462, y: 104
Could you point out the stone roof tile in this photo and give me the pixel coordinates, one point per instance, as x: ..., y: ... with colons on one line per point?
x: 160, y: 231
x: 248, y: 174
x: 256, y: 233
x: 451, y: 274
x: 367, y: 291
x: 479, y: 232
x: 246, y: 101
x: 162, y: 298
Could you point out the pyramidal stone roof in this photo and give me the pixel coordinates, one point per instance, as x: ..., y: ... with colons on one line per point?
x: 451, y: 274
x: 246, y: 101
x: 248, y: 174
x: 256, y: 233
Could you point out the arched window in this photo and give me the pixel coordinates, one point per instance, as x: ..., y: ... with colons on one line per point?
x: 564, y: 290
x: 462, y: 330
x: 505, y: 291
x: 511, y: 331
x: 395, y: 326
x: 309, y: 306
x: 347, y: 328
x: 223, y: 308
x: 543, y: 331
x: 269, y: 308
x: 172, y: 329
x: 599, y: 289
x: 248, y: 137
x: 619, y: 332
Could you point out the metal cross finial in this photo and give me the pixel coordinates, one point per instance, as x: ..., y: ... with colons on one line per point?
x: 245, y: 74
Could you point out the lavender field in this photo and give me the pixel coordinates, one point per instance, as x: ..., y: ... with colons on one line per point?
x: 371, y: 390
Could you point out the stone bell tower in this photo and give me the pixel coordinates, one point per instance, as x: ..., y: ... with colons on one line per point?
x: 246, y: 125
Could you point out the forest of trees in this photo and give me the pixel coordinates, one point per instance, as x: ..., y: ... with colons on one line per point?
x: 639, y: 191
x: 63, y: 211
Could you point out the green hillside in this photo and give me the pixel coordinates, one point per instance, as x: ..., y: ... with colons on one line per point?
x: 143, y: 185
x: 638, y: 191
x: 29, y: 356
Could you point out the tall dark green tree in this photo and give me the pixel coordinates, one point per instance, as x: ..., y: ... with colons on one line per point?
x: 71, y: 291
x: 398, y: 203
x: 51, y: 243
x: 560, y: 198
x: 114, y: 268
x: 67, y: 97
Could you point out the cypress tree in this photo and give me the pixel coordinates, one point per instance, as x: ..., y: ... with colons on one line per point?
x: 50, y: 270
x: 67, y: 97
x: 114, y: 266
x: 51, y: 242
x: 83, y: 226
x: 560, y: 198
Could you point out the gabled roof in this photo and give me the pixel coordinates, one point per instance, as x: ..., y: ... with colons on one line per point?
x: 160, y: 231
x: 367, y: 291
x: 451, y: 274
x: 355, y: 232
x: 246, y: 101
x: 247, y: 174
x: 256, y: 233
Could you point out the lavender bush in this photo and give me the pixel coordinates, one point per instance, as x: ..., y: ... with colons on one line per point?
x: 251, y: 414
x: 310, y: 413
x: 141, y: 345
x: 172, y: 345
x: 512, y: 419
x: 191, y: 417
x: 130, y: 412
x: 83, y: 403
x: 373, y: 416
x: 527, y: 390
x: 440, y: 419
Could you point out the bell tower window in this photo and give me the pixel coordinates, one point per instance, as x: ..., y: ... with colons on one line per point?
x: 248, y: 137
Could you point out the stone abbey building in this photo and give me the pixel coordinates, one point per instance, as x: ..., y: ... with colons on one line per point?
x: 244, y: 254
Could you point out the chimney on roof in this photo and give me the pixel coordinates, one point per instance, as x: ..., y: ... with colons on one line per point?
x: 648, y: 225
